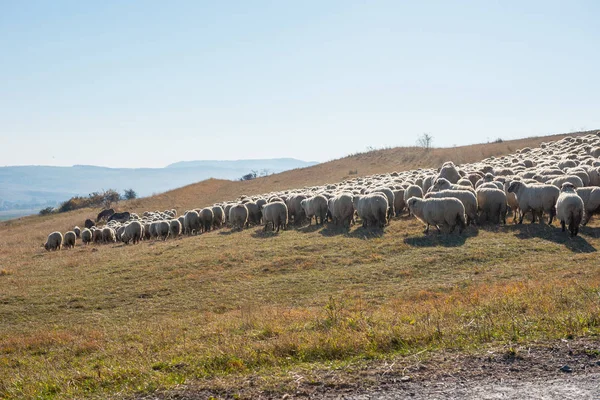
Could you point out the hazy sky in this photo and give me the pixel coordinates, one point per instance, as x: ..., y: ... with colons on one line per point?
x: 148, y: 83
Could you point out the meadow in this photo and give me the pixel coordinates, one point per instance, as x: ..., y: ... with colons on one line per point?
x: 114, y: 321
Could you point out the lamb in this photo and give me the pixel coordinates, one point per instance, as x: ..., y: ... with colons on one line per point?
x: 372, y: 209
x: 206, y: 219
x: 492, y: 205
x: 163, y: 228
x: 467, y: 198
x: 535, y: 198
x: 569, y: 208
x: 238, y: 216
x: 69, y: 239
x: 133, y: 232
x: 591, y: 202
x: 175, y: 228
x: 341, y: 209
x: 191, y: 222
x: 447, y: 212
x: 275, y: 213
x: 54, y: 241
x: 77, y: 231
x: 315, y: 206
x: 86, y: 236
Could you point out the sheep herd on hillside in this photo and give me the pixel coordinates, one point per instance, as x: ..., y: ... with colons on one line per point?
x: 558, y: 179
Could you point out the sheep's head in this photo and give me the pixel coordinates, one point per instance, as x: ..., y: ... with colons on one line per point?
x: 514, y: 187
x: 568, y: 187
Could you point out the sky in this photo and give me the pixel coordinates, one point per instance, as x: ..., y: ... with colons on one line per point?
x: 149, y: 83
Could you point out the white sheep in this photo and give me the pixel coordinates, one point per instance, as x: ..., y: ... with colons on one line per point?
x: 238, y: 216
x: 163, y: 228
x: 175, y: 228
x: 191, y: 222
x: 54, y: 241
x: 535, y: 198
x: 372, y: 209
x: 491, y: 204
x: 341, y: 209
x: 276, y: 214
x: 591, y: 202
x: 569, y: 208
x: 468, y: 199
x: 315, y: 206
x: 86, y: 236
x: 446, y: 212
x: 133, y: 232
x: 69, y: 239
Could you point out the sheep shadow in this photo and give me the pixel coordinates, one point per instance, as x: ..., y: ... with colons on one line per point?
x: 366, y: 233
x: 435, y: 239
x: 554, y: 234
x: 332, y: 229
x: 309, y: 228
x: 260, y: 233
x: 228, y: 232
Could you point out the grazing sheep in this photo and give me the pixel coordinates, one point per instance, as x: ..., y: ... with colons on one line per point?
x: 108, y: 235
x: 54, y: 241
x: 89, y: 223
x: 591, y: 202
x: 163, y: 228
x: 77, y: 231
x: 569, y: 208
x: 446, y: 212
x: 295, y: 210
x: 448, y: 171
x: 275, y: 213
x: 315, y: 206
x: 372, y: 209
x: 254, y: 213
x: 69, y: 239
x: 86, y: 236
x: 175, y: 228
x: 535, y: 198
x: 120, y: 217
x: 390, y: 197
x: 191, y: 223
x: 467, y: 198
x: 133, y: 232
x: 444, y: 184
x: 218, y: 216
x: 342, y: 209
x: 97, y: 235
x: 206, y: 219
x: 491, y: 205
x: 399, y: 203
x: 104, y: 214
x: 412, y: 191
x: 238, y: 216
x: 573, y: 179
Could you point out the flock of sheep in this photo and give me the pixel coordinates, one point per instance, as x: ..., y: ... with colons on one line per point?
x: 559, y: 179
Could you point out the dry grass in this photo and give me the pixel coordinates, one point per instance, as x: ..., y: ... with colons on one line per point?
x: 113, y: 320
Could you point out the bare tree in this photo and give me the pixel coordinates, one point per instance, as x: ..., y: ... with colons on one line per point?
x: 425, y: 141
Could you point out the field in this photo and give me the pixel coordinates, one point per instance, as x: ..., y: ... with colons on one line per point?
x: 213, y: 311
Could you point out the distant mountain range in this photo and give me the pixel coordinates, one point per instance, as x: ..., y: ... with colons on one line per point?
x: 34, y: 186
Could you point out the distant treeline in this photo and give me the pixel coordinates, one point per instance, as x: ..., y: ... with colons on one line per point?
x: 104, y: 199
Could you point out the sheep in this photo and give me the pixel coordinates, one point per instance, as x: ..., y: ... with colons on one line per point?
x: 163, y: 228
x: 390, y: 197
x: 467, y: 198
x: 54, y: 241
x: 342, y: 209
x: 89, y: 223
x: 97, y: 235
x: 191, y: 222
x: 275, y: 213
x: 535, y: 198
x: 447, y: 212
x: 206, y: 219
x: 175, y: 228
x: 254, y: 213
x: 218, y: 216
x: 444, y: 184
x: 108, y: 235
x: 238, y: 216
x: 315, y: 206
x: 569, y: 208
x: 69, y: 239
x: 492, y: 205
x: 591, y: 202
x: 77, y: 231
x: 133, y: 232
x: 399, y: 203
x: 448, y: 171
x: 372, y: 209
x: 86, y: 236
x: 412, y: 191
x: 295, y: 210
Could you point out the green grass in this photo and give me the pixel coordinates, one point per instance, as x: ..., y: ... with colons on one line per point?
x: 114, y: 320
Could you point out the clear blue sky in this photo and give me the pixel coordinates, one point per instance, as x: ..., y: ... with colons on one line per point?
x: 148, y: 83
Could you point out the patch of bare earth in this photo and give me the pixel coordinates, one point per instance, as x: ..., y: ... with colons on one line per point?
x: 566, y: 369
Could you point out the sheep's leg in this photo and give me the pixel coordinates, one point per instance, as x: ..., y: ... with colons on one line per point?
x: 427, y: 229
x: 532, y: 216
x: 562, y: 226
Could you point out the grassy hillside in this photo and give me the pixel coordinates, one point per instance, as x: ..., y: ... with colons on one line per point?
x: 208, y: 310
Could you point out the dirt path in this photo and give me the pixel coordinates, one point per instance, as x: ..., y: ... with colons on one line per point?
x: 557, y: 370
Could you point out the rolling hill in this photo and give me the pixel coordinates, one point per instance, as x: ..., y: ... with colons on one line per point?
x: 249, y: 314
